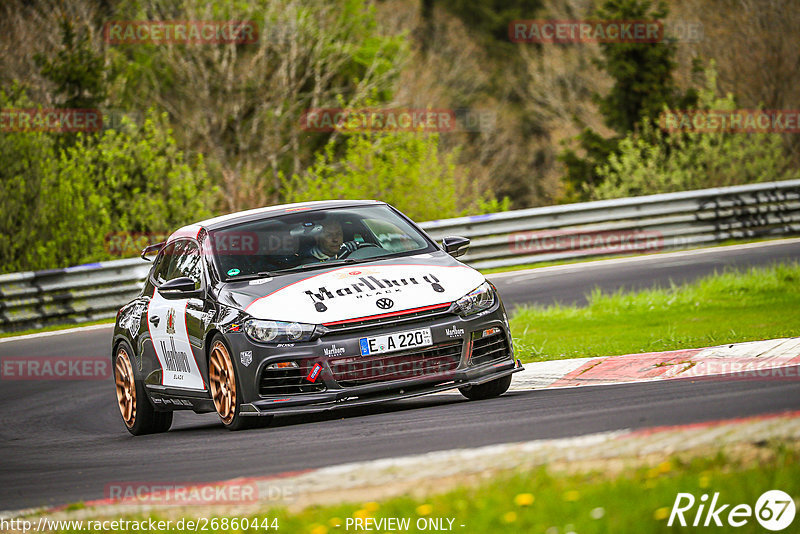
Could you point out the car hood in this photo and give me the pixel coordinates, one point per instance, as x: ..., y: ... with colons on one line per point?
x: 352, y: 292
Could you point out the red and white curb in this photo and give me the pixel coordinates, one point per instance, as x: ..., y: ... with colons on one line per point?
x: 770, y: 359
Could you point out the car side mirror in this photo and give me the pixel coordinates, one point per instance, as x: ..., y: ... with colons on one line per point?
x: 179, y: 288
x: 455, y: 246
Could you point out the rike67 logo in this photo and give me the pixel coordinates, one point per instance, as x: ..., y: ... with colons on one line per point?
x: 774, y: 510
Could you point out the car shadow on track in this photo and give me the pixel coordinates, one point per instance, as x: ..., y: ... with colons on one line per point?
x: 282, y: 421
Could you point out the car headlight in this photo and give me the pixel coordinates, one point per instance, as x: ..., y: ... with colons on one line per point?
x: 479, y: 299
x: 277, y: 331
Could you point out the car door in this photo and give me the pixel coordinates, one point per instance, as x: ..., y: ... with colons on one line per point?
x: 174, y: 322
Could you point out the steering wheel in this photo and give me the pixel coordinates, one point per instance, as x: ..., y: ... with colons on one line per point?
x: 347, y: 250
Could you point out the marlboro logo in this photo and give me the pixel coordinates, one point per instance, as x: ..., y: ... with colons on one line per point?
x: 171, y: 321
x: 368, y: 285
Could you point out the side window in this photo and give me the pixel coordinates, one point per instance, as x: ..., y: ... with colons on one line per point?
x: 162, y: 267
x: 187, y: 262
x: 180, y: 258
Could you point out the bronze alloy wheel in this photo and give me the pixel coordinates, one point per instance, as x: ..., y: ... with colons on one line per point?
x: 126, y: 387
x: 223, y: 382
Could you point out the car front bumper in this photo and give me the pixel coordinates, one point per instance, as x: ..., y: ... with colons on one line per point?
x: 465, y: 352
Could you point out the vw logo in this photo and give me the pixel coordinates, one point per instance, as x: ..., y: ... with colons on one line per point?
x: 385, y: 304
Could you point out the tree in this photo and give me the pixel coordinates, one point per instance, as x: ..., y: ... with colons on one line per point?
x: 405, y: 169
x: 60, y: 202
x: 643, y: 84
x: 652, y: 161
x: 77, y: 71
x: 241, y: 104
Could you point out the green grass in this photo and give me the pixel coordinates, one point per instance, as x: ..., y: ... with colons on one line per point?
x: 637, y: 499
x: 53, y: 328
x: 730, y: 307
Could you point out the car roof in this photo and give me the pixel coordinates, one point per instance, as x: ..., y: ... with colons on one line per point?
x: 222, y: 221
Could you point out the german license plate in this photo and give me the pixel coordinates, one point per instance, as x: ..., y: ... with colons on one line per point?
x: 397, y: 341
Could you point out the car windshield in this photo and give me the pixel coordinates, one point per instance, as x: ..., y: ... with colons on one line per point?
x: 313, y: 239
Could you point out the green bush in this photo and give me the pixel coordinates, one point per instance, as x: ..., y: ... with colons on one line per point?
x: 405, y: 169
x: 653, y: 161
x: 60, y: 204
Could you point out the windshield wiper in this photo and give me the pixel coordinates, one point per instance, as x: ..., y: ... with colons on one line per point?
x: 253, y: 276
x: 299, y: 268
x: 319, y: 265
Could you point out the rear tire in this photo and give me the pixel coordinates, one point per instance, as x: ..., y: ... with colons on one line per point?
x: 226, y: 391
x: 489, y: 390
x: 138, y: 413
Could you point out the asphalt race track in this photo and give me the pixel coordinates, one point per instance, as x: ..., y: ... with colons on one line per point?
x: 62, y: 442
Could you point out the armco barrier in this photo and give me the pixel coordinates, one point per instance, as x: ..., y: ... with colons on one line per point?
x: 608, y: 227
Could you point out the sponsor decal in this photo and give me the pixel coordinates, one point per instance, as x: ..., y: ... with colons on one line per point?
x: 171, y: 343
x: 368, y: 286
x: 234, y: 328
x: 774, y: 510
x: 384, y: 303
x: 247, y: 357
x: 454, y: 331
x: 171, y: 322
x: 490, y: 332
x: 233, y: 272
x: 132, y: 319
x: 259, y: 281
x: 176, y: 360
x: 315, y: 372
x: 279, y: 345
x: 334, y: 351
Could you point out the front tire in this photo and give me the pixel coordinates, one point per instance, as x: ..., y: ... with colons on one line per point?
x: 226, y: 390
x: 137, y: 412
x: 489, y: 390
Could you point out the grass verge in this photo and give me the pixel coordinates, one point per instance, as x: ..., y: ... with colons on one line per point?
x: 55, y: 327
x: 633, y: 499
x: 735, y: 306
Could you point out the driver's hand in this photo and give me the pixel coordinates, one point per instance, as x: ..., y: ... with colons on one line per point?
x: 347, y: 247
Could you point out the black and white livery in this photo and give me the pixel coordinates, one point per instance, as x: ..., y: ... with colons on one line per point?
x: 302, y: 308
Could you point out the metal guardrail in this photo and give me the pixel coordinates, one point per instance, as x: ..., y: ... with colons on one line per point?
x: 590, y: 229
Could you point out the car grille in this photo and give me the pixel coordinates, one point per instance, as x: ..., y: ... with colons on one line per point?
x: 289, y: 381
x: 358, y: 325
x: 441, y: 359
x: 490, y: 348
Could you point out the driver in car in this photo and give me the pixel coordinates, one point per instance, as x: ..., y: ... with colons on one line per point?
x: 330, y: 242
